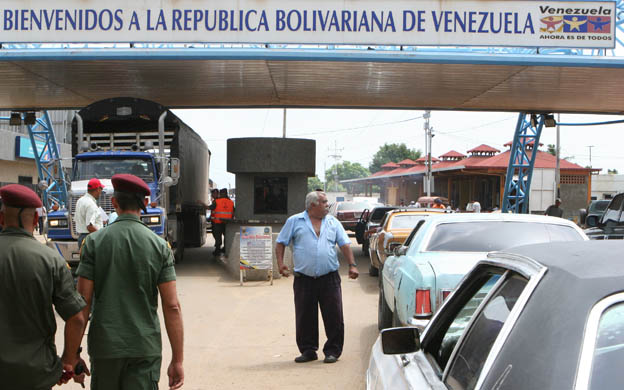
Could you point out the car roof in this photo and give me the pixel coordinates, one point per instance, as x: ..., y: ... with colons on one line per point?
x: 468, y: 217
x: 591, y: 261
x: 578, y: 275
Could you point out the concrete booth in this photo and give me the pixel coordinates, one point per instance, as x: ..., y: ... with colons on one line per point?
x: 271, y: 185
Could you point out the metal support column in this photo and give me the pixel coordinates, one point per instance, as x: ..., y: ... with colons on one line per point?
x: 521, y: 162
x: 48, y: 161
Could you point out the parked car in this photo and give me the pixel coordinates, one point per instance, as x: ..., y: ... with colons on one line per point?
x: 368, y: 223
x: 442, y: 249
x: 590, y: 216
x: 545, y: 316
x: 429, y: 201
x: 611, y: 225
x: 394, y: 229
x: 349, y: 212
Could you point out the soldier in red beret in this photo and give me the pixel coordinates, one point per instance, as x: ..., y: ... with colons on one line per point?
x: 122, y: 269
x: 34, y: 279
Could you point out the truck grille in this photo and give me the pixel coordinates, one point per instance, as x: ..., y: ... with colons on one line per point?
x: 104, y: 202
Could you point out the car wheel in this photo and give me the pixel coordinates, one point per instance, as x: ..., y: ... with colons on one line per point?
x: 384, y: 314
x: 372, y: 271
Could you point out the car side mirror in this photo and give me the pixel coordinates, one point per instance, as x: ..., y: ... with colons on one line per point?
x: 400, y: 250
x: 397, y: 341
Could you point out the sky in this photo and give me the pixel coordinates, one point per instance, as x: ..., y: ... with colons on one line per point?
x: 356, y: 135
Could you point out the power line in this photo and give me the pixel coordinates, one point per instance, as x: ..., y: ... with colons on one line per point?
x: 359, y: 127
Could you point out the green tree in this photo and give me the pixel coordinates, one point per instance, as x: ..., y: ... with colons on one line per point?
x: 344, y: 171
x: 612, y: 171
x: 314, y: 183
x: 552, y: 149
x: 392, y: 153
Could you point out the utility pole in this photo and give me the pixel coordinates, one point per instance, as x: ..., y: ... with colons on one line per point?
x: 428, y: 137
x: 284, y: 125
x: 336, y: 156
x: 590, y: 148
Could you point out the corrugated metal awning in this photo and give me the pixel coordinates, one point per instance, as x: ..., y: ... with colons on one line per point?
x: 204, y: 78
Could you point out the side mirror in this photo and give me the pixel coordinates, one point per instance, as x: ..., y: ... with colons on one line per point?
x: 398, y: 341
x: 400, y: 250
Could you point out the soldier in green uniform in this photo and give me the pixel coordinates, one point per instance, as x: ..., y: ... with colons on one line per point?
x: 33, y: 280
x: 122, y: 269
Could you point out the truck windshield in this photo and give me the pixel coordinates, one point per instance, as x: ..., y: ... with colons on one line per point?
x: 105, y: 169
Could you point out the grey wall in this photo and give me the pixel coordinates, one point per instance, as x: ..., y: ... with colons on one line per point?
x: 287, y: 155
x: 573, y: 198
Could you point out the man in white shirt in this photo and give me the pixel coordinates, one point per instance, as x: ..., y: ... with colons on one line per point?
x: 88, y: 217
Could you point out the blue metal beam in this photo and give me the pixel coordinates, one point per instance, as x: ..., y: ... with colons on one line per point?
x: 521, y: 162
x: 48, y: 160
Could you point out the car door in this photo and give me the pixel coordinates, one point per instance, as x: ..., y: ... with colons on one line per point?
x: 462, y: 340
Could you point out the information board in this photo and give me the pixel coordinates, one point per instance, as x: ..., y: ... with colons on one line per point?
x: 256, y: 250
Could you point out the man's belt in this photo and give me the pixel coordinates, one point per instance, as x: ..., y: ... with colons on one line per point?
x: 304, y: 276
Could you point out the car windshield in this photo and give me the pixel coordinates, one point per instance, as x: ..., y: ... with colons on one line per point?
x: 379, y: 213
x: 106, y: 168
x: 486, y: 236
x: 353, y: 206
x: 600, y: 205
x: 405, y: 221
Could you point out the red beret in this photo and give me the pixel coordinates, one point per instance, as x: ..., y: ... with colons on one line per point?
x: 124, y: 182
x: 19, y: 196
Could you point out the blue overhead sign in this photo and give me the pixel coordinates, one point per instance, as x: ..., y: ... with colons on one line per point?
x: 24, y: 149
x: 588, y: 24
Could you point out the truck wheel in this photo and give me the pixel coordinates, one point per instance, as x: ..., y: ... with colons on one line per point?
x: 179, y: 250
x: 372, y: 271
x: 384, y: 314
x: 178, y: 254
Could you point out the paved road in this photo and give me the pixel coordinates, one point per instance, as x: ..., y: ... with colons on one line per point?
x: 244, y: 337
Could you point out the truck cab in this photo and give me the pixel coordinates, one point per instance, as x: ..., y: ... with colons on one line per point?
x: 103, y: 165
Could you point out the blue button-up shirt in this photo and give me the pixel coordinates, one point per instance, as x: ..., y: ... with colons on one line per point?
x: 313, y: 256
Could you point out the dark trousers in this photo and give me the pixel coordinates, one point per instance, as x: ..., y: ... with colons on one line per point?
x: 218, y: 231
x: 81, y: 238
x: 310, y: 293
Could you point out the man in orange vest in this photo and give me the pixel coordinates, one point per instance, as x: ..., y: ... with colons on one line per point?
x: 222, y: 212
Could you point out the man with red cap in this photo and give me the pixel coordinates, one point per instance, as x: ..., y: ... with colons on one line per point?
x: 88, y: 218
x: 34, y: 281
x: 122, y: 270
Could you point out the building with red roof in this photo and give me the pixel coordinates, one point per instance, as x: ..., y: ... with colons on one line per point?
x: 480, y: 175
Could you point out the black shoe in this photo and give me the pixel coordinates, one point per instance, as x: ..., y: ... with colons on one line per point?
x: 330, y: 359
x: 306, y: 357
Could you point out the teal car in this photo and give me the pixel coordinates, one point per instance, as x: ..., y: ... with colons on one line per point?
x: 416, y: 281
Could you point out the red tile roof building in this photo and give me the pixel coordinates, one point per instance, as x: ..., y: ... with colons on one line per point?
x: 480, y: 176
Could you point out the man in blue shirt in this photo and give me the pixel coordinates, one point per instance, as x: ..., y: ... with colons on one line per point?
x: 314, y: 236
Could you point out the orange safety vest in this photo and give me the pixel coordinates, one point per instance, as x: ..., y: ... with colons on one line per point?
x: 223, y: 210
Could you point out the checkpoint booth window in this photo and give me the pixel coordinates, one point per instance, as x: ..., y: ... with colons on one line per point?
x: 270, y: 195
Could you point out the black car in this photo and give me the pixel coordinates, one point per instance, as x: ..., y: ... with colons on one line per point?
x: 368, y: 222
x: 542, y: 316
x: 611, y: 225
x: 593, y: 213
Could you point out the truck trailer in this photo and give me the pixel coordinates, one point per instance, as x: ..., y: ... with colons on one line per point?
x: 143, y: 138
